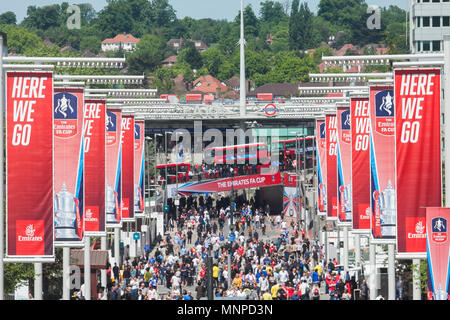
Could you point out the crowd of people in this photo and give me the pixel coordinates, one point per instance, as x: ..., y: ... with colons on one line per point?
x: 268, y: 258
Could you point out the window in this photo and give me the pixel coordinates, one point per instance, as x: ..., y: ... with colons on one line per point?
x: 437, y: 45
x: 418, y: 22
x: 426, y: 21
x: 436, y: 1
x: 446, y: 21
x: 426, y: 46
x: 436, y: 21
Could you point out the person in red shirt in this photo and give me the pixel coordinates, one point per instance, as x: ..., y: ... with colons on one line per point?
x: 241, y: 251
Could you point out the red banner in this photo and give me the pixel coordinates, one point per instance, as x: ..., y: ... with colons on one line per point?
x: 68, y: 112
x: 127, y: 206
x: 360, y: 162
x: 113, y: 167
x: 321, y: 167
x: 29, y: 164
x: 418, y: 153
x: 344, y: 165
x: 331, y: 145
x: 438, y: 249
x: 139, y: 165
x: 224, y: 184
x: 95, y: 166
x: 383, y: 210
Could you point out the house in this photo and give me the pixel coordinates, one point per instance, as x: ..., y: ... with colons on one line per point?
x: 178, y: 43
x: 210, y: 85
x: 348, y: 46
x: 170, y: 61
x: 278, y: 90
x: 68, y: 48
x: 122, y: 41
x: 235, y: 84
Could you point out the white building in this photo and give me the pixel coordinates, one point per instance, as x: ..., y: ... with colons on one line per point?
x: 429, y: 21
x: 125, y: 41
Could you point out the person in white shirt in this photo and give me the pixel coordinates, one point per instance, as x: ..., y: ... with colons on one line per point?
x: 284, y: 275
x: 263, y: 283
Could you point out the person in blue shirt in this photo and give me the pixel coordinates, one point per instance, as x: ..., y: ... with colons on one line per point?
x: 295, y: 296
x: 153, y: 281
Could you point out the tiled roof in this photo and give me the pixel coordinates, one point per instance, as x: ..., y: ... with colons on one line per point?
x: 209, y: 84
x: 122, y: 38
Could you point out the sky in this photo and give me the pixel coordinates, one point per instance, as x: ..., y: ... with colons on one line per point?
x: 197, y: 9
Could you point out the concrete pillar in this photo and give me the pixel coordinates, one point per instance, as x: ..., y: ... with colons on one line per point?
x: 38, y: 281
x: 391, y: 271
x: 66, y: 273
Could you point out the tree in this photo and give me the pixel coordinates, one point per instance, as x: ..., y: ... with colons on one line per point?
x: 164, y: 14
x: 148, y: 55
x: 8, y: 17
x: 271, y: 11
x: 294, y: 35
x: 304, y: 25
x: 115, y: 18
x: 251, y: 22
x: 212, y: 60
x: 42, y: 18
x: 92, y: 43
x: 190, y: 55
x: 185, y: 70
x: 163, y: 80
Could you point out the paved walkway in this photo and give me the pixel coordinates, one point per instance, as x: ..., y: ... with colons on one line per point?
x: 271, y: 234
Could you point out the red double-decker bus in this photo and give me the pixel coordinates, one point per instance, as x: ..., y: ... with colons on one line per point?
x: 286, y: 152
x: 243, y: 159
x: 183, y: 172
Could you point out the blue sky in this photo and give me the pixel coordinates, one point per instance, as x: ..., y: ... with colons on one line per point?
x: 215, y: 9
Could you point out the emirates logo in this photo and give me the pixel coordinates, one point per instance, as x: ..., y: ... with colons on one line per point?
x: 29, y: 231
x: 89, y: 214
x: 420, y: 228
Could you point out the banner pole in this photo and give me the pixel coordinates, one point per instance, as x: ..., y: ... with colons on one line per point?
x: 447, y: 115
x: 38, y: 281
x: 391, y: 271
x: 416, y: 279
x: 372, y: 270
x: 117, y: 246
x: 357, y: 240
x: 66, y: 273
x: 87, y: 268
x: 345, y: 258
x: 2, y: 248
x: 104, y: 281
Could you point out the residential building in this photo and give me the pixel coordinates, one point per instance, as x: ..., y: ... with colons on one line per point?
x: 178, y: 43
x: 170, y: 61
x: 429, y: 21
x: 122, y: 41
x: 210, y: 85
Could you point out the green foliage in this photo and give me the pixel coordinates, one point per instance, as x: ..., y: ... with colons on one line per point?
x: 163, y: 80
x: 190, y: 55
x: 15, y: 274
x: 8, y: 17
x: 148, y: 55
x: 293, y: 27
x: 212, y: 60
